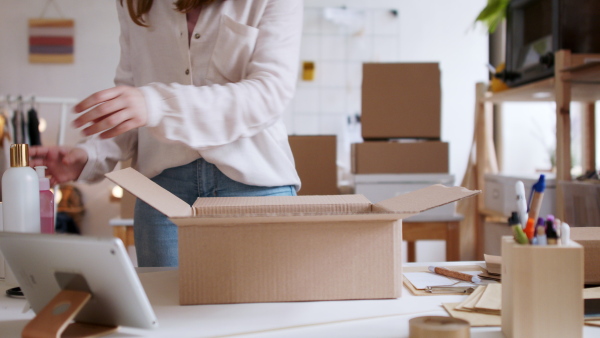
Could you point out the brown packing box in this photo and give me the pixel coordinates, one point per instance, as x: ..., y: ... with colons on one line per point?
x: 581, y: 203
x: 589, y: 238
x: 401, y: 100
x: 315, y: 158
x: 293, y: 248
x: 399, y: 158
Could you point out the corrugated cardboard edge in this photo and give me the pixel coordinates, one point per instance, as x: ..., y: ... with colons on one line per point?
x: 148, y: 191
x: 282, y: 205
x: 423, y: 199
x: 398, y: 207
x: 233, y: 220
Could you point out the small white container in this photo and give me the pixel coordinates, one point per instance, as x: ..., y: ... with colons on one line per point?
x: 20, y: 196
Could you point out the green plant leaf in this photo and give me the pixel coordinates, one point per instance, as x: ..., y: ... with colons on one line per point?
x: 493, y: 14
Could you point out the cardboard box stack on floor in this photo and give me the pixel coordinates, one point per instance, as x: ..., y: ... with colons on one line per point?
x: 400, y: 120
x: 401, y: 128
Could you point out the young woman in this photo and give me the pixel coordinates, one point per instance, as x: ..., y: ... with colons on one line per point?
x: 201, y: 87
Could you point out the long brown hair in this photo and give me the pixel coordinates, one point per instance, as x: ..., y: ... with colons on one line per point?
x: 137, y: 8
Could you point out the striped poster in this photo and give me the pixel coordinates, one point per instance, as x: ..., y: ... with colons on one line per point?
x: 51, y: 40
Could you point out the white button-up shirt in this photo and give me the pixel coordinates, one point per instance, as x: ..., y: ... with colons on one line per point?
x: 220, y: 96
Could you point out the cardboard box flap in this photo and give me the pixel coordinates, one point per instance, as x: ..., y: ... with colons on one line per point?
x: 281, y: 205
x: 423, y: 199
x: 150, y: 192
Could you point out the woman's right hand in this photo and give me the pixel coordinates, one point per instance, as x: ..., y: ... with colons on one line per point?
x: 63, y: 164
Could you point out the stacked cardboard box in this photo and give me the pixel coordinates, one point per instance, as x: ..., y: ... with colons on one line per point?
x: 589, y: 238
x: 315, y: 158
x: 582, y: 208
x: 401, y: 128
x: 400, y: 101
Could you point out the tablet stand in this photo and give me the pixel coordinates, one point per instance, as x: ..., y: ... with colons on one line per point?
x: 53, y: 321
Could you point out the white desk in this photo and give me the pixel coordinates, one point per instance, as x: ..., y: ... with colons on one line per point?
x: 365, y: 318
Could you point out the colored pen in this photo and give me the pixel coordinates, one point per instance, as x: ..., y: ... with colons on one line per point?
x: 521, y: 202
x: 551, y: 234
x: 537, y: 194
x: 565, y: 233
x: 454, y: 274
x: 530, y: 229
x: 540, y: 235
x: 518, y: 233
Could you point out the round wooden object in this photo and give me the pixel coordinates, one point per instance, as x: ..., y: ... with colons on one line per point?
x: 438, y: 327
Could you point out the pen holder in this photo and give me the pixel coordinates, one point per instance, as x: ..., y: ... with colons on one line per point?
x: 542, y: 290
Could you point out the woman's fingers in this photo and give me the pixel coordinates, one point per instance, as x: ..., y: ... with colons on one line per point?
x: 116, y: 111
x: 96, y: 98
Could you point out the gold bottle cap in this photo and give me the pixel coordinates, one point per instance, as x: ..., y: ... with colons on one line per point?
x: 19, y: 155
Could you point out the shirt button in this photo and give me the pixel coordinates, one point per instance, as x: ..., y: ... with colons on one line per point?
x: 197, y: 35
x: 187, y: 72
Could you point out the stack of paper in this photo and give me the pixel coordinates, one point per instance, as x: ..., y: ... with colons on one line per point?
x: 493, y: 266
x: 481, y: 308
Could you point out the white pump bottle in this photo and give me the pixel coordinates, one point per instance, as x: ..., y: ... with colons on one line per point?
x: 20, y: 193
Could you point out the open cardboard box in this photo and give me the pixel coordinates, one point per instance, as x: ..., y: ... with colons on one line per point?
x: 290, y: 248
x: 589, y: 238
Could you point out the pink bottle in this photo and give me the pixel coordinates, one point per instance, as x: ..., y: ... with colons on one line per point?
x: 46, y: 202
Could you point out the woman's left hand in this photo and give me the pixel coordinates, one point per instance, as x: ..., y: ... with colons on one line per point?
x: 113, y: 111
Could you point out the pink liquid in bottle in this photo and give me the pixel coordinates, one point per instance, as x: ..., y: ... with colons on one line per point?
x: 46, y: 202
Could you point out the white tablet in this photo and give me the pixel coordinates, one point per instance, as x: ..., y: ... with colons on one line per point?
x: 45, y: 264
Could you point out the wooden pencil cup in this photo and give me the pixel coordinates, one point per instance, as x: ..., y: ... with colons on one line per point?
x: 542, y: 290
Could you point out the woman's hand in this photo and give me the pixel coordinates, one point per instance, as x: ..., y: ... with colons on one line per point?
x: 64, y: 163
x: 113, y: 111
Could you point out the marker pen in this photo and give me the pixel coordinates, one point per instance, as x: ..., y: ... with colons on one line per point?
x: 540, y: 221
x: 555, y: 224
x: 551, y: 234
x: 540, y: 234
x: 518, y: 233
x: 521, y: 201
x: 565, y: 233
x: 537, y: 194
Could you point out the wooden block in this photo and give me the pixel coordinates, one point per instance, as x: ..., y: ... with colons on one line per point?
x: 542, y: 290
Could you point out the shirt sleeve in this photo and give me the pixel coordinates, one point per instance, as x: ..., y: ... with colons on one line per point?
x: 103, y: 155
x: 218, y: 114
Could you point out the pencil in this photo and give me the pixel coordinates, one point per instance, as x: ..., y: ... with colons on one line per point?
x: 454, y: 274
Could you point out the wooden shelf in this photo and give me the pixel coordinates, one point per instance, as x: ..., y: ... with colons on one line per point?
x: 576, y: 78
x: 587, y: 73
x: 584, y: 80
x: 493, y: 214
x: 542, y: 91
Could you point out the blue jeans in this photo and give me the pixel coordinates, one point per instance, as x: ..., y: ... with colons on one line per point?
x: 156, y: 236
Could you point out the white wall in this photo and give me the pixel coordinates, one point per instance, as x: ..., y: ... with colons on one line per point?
x: 96, y: 56
x: 426, y: 30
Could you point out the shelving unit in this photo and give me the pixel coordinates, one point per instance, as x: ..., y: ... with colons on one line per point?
x: 576, y: 78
